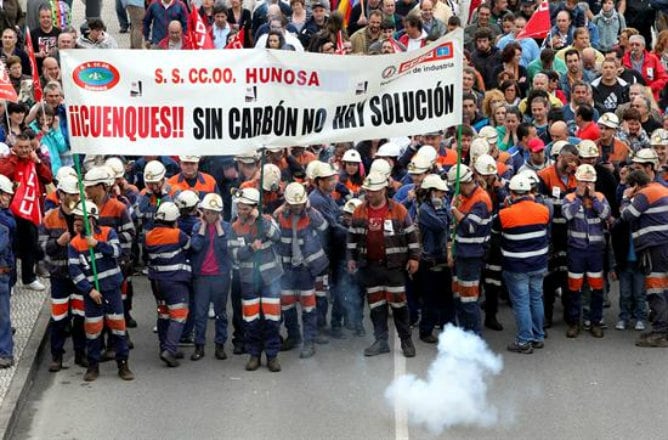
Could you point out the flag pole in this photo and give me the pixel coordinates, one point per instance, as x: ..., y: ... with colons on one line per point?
x: 82, y: 195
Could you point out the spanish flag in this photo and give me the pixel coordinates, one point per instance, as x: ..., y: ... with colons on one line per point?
x: 345, y: 8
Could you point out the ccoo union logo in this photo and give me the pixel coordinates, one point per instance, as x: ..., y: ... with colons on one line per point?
x: 96, y: 76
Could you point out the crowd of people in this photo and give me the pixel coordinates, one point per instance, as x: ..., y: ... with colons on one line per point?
x: 553, y: 187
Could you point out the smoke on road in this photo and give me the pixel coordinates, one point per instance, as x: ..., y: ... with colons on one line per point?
x: 455, y: 391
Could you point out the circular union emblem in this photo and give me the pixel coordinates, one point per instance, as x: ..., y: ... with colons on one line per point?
x: 389, y: 71
x: 96, y: 76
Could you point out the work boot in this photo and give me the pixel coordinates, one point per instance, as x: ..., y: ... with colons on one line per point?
x: 273, y: 365
x: 321, y: 338
x: 92, y: 373
x: 253, y: 363
x: 6, y: 362
x: 130, y: 321
x: 359, y: 331
x: 220, y: 352
x: 573, y: 331
x: 308, y: 350
x: 493, y: 324
x: 56, y: 364
x: 289, y: 343
x: 239, y: 348
x: 652, y: 339
x: 169, y: 359
x: 124, y: 371
x: 80, y: 359
x: 108, y: 355
x: 596, y: 331
x: 407, y: 347
x: 378, y: 347
x: 337, y: 333
x: 187, y: 341
x: 179, y: 354
x: 198, y: 353
x: 429, y: 338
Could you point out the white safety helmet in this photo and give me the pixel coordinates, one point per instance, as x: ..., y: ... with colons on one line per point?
x: 485, y: 165
x: 69, y: 185
x: 310, y: 169
x: 585, y: 173
x: 116, y: 165
x: 6, y: 185
x: 352, y: 156
x: 465, y: 174
x: 479, y: 146
x: 419, y: 165
x: 388, y: 149
x: 609, y: 120
x: 556, y: 148
x: 248, y: 157
x: 323, y: 170
x: 91, y: 209
x: 381, y: 166
x: 587, y: 149
x: 427, y: 152
x: 489, y: 133
x: 659, y: 137
x: 274, y: 149
x: 154, y: 172
x: 189, y: 158
x: 351, y: 205
x: 212, y: 202
x: 520, y: 183
x: 248, y: 196
x: 97, y: 175
x: 271, y: 180
x: 65, y: 171
x: 186, y: 199
x: 646, y: 155
x: 531, y: 175
x: 374, y: 182
x: 434, y: 181
x: 167, y: 212
x: 295, y: 194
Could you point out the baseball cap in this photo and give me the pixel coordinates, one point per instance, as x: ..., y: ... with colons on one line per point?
x: 535, y: 145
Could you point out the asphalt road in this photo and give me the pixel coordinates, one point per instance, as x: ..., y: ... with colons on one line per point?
x: 571, y: 389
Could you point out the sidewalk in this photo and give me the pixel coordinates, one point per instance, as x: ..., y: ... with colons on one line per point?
x: 30, y: 317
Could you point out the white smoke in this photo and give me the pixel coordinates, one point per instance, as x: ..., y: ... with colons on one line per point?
x: 455, y: 391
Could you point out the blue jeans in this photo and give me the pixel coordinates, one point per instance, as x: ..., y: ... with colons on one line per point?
x: 211, y: 289
x: 526, y: 295
x: 6, y: 341
x: 632, y: 298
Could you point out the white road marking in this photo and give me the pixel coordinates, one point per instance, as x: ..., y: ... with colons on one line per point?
x: 400, y: 414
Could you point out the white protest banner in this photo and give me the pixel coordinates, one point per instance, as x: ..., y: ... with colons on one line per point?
x: 227, y: 101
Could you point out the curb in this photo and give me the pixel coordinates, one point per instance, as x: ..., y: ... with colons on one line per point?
x: 25, y: 373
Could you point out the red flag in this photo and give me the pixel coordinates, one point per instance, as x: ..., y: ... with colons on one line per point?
x: 199, y: 34
x: 340, y: 48
x: 25, y: 203
x: 237, y: 40
x: 7, y: 92
x: 36, y: 85
x: 538, y: 25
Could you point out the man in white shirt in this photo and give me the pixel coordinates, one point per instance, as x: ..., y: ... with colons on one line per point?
x: 220, y: 29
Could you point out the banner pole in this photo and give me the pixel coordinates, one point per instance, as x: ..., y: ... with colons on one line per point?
x: 82, y: 195
x: 457, y: 189
x: 258, y: 220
